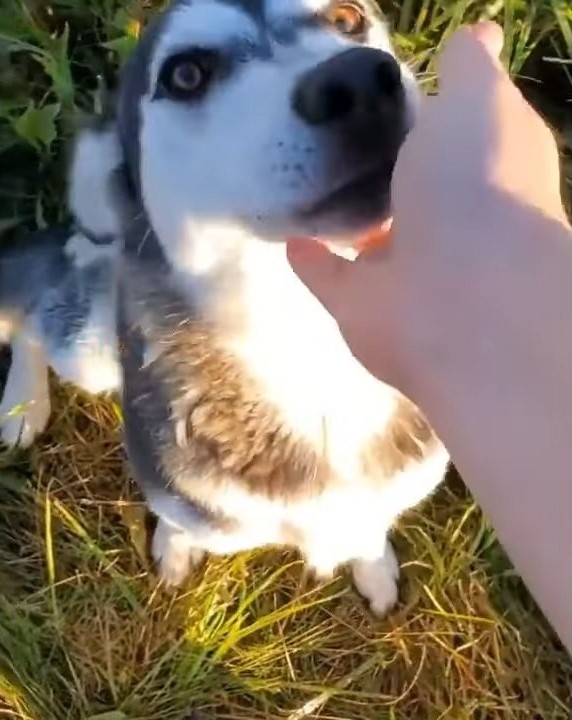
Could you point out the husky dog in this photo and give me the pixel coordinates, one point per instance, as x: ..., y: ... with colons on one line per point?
x: 248, y: 422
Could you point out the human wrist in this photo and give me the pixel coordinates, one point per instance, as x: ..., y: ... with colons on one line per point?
x: 483, y: 325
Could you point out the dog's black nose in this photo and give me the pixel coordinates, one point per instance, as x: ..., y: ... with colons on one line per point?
x: 360, y: 81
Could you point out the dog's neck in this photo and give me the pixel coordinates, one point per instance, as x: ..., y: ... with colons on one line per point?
x: 216, y: 264
x: 239, y: 277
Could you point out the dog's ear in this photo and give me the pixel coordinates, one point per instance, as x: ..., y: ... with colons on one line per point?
x: 95, y: 157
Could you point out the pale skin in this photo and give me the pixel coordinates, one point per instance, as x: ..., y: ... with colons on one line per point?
x: 468, y: 310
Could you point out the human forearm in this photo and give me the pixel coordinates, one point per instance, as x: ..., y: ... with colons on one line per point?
x: 505, y: 413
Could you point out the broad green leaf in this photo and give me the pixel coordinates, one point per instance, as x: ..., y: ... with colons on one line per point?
x: 56, y: 63
x: 37, y: 125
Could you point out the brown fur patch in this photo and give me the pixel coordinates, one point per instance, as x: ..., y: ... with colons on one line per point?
x: 232, y: 431
x: 408, y: 439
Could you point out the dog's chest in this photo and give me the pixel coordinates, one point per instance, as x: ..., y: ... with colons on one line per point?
x: 294, y: 350
x: 247, y: 423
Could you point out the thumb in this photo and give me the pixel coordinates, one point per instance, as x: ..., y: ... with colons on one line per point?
x: 471, y: 57
x: 322, y: 272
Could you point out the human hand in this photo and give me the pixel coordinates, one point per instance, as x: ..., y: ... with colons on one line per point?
x: 478, y: 155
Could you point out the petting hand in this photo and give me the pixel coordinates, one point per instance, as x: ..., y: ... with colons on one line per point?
x: 478, y: 143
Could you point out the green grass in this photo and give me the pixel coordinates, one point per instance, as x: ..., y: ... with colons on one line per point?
x: 86, y: 633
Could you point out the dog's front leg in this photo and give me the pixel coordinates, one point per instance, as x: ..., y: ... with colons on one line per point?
x: 174, y: 552
x: 376, y: 580
x: 370, y: 555
x: 176, y: 549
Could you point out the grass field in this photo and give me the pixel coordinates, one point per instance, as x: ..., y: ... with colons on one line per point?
x: 86, y: 633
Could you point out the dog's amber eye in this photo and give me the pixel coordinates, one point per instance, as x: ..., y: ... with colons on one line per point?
x: 185, y: 75
x: 348, y: 18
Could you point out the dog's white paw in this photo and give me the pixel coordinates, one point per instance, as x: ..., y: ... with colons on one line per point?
x: 19, y: 425
x: 377, y: 581
x: 321, y: 574
x: 25, y: 406
x: 174, y: 554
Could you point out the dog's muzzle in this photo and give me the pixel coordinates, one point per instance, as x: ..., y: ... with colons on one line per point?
x: 356, y: 104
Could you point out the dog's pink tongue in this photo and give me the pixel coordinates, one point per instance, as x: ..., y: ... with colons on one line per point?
x: 376, y: 237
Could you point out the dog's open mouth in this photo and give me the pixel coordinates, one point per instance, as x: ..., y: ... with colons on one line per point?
x: 368, y: 185
x: 366, y: 195
x: 376, y: 237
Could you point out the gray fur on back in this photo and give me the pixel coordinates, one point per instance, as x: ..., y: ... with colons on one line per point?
x: 56, y: 293
x: 31, y: 267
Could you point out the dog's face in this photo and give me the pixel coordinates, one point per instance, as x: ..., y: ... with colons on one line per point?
x: 284, y: 116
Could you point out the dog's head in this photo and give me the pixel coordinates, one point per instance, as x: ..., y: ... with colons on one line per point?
x: 281, y: 116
